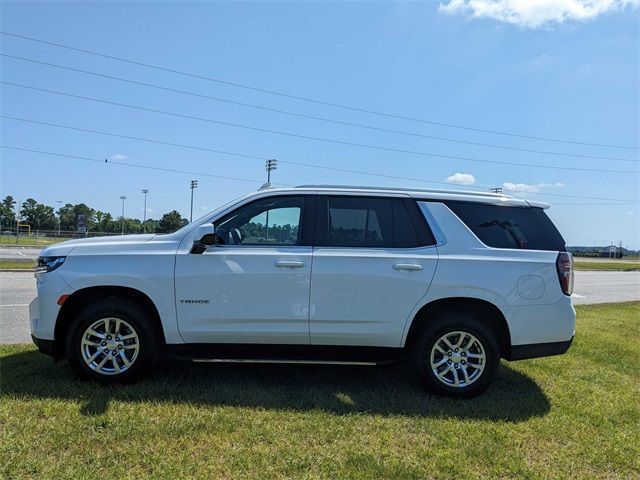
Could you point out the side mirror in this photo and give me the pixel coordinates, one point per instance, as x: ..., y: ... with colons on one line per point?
x: 203, y: 236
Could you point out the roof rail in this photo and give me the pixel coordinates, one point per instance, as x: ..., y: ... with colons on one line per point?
x: 406, y: 189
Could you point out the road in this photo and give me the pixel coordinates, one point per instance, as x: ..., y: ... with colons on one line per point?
x: 605, y: 287
x: 20, y: 253
x: 18, y: 289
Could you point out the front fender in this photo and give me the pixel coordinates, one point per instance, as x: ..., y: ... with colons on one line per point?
x: 153, y: 275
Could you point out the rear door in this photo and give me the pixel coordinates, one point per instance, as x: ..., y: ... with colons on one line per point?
x: 373, y: 260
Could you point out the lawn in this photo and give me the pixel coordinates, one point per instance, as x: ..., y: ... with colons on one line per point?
x: 31, y: 241
x: 573, y: 416
x: 606, y: 264
x: 25, y: 264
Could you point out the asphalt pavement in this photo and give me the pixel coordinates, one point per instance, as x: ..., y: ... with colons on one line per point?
x: 18, y: 289
x: 20, y: 253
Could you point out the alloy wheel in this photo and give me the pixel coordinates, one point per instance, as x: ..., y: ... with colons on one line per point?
x: 457, y: 359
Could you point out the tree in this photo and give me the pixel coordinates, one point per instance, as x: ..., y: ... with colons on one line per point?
x: 67, y: 218
x: 7, y: 212
x: 150, y: 226
x: 88, y: 212
x: 170, y: 222
x: 38, y: 215
x: 103, y: 222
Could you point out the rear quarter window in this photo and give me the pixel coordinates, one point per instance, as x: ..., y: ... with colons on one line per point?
x: 498, y: 226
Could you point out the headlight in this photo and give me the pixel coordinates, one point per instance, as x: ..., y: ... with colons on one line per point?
x: 48, y: 264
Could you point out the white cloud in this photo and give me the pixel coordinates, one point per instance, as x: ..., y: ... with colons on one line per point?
x: 119, y: 156
x: 630, y: 212
x: 528, y: 187
x: 535, y: 13
x: 461, y: 179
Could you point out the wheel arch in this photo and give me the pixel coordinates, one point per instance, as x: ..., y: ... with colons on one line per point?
x: 488, y: 313
x: 85, y: 296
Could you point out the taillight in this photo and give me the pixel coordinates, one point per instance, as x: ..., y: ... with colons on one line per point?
x: 564, y: 266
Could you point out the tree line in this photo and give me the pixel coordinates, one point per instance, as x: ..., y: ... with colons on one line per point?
x: 44, y: 217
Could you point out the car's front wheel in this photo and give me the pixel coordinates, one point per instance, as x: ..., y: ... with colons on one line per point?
x: 111, y: 340
x: 456, y: 355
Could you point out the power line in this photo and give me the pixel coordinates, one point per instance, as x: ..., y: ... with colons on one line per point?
x: 594, y: 204
x: 130, y: 137
x: 129, y: 164
x: 314, y: 117
x: 312, y: 100
x: 308, y: 137
x: 360, y: 172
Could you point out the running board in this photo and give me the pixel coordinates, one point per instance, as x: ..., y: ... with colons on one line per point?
x: 288, y: 354
x: 281, y: 361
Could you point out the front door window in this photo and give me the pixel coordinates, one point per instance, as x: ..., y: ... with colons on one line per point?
x: 273, y: 222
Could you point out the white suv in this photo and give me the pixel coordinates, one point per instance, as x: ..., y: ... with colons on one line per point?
x: 452, y: 280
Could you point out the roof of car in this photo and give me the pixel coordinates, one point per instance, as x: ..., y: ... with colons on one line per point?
x: 420, y: 193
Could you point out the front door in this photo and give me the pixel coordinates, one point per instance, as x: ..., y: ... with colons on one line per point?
x: 253, y: 285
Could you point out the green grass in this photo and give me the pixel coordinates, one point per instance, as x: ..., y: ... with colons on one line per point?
x: 572, y: 416
x: 606, y: 264
x: 31, y: 241
x: 25, y: 264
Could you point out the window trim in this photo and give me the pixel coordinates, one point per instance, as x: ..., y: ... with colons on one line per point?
x: 306, y: 227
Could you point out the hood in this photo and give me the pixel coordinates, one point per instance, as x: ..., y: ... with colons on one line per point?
x: 63, y: 248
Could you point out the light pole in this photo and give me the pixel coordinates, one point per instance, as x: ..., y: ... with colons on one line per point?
x: 194, y: 185
x: 144, y: 214
x: 59, y: 202
x: 123, y: 198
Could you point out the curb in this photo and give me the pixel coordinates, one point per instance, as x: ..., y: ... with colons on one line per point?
x: 14, y: 270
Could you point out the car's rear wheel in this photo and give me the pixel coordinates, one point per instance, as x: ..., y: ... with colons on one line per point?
x: 456, y: 355
x: 112, y: 340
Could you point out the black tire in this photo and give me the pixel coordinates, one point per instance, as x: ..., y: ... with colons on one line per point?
x: 444, y: 322
x: 118, y: 308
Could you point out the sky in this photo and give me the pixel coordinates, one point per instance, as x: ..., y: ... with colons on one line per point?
x: 563, y: 69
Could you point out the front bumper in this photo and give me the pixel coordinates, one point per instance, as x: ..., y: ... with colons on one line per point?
x: 536, y: 350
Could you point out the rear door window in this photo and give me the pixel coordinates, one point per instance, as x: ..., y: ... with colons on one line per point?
x: 370, y: 222
x: 359, y: 222
x: 510, y: 227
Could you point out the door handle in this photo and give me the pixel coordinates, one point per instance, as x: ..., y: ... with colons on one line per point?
x: 289, y: 264
x: 407, y: 266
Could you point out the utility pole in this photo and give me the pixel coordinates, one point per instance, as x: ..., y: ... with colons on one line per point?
x: 123, y: 198
x: 59, y: 202
x: 496, y: 190
x: 194, y: 185
x: 270, y: 165
x: 144, y: 214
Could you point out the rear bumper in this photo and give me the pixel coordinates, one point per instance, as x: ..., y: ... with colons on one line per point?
x: 47, y: 347
x: 535, y: 350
